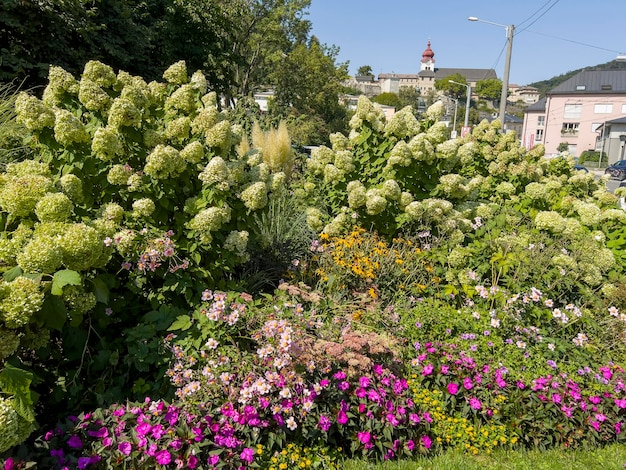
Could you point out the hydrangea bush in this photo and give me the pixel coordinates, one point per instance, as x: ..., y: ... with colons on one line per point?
x: 137, y: 196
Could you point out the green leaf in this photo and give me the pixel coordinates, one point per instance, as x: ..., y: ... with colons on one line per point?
x: 182, y: 323
x: 53, y: 313
x: 12, y: 273
x: 63, y: 278
x: 100, y: 290
x: 16, y: 382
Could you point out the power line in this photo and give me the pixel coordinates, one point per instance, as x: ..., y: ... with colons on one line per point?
x: 540, y: 16
x: 539, y: 10
x: 573, y: 41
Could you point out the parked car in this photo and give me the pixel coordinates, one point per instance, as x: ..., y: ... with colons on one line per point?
x: 578, y: 167
x: 617, y: 170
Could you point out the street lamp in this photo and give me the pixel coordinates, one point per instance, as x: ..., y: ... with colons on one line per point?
x: 467, y: 103
x: 510, y: 31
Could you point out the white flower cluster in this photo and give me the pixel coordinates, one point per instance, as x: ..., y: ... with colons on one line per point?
x: 339, y: 141
x: 550, y: 220
x: 20, y: 193
x: 143, y: 207
x: 216, y: 173
x: 177, y: 130
x: 21, y: 299
x: 220, y: 136
x: 68, y: 129
x: 435, y: 112
x: 366, y: 111
x: 60, y: 84
x: 182, y: 100
x: 9, y: 423
x: 106, y: 144
x: 93, y: 97
x: 452, y: 186
x: 403, y: 124
x: 164, y: 162
x: 205, y: 119
x: 82, y: 247
x: 99, y: 73
x: 33, y: 113
x: 375, y: 202
x: 315, y: 218
x: 237, y: 242
x: 124, y: 113
x: 210, y: 219
x: 339, y: 224
x: 176, y: 74
x: 119, y: 174
x: 54, y: 207
x: 254, y: 196
x: 589, y: 213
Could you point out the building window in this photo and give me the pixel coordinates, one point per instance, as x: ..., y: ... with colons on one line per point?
x: 539, y: 135
x: 594, y: 126
x: 603, y: 108
x: 541, y: 121
x: 570, y: 128
x: 624, y: 109
x: 572, y: 111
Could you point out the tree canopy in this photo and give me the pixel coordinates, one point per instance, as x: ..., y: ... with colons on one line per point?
x: 490, y: 88
x: 452, y: 89
x: 364, y: 70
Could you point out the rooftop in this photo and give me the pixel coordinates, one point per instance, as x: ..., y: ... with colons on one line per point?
x: 593, y: 82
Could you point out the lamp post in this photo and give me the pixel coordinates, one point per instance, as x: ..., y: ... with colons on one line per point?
x: 510, y: 31
x: 467, y: 103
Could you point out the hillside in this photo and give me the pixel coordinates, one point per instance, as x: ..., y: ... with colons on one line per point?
x: 546, y: 85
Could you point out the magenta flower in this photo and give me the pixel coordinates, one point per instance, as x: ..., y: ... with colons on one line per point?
x: 445, y: 369
x: 378, y: 369
x: 410, y: 445
x: 364, y: 382
x: 124, y: 447
x: 247, y: 455
x: 475, y: 403
x: 595, y: 399
x: 426, y: 441
x: 74, y: 442
x: 620, y: 403
x: 340, y: 375
x: 467, y: 383
x: 414, y: 418
x: 428, y: 369
x: 342, y: 417
x: 192, y: 461
x: 213, y: 460
x: 107, y: 441
x: 360, y: 392
x: 143, y: 429
x: 364, y: 436
x: 324, y: 423
x: 453, y: 388
x: 163, y: 457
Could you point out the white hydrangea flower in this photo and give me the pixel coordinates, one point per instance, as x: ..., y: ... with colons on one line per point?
x: 356, y: 194
x: 119, y: 174
x: 93, y: 97
x: 193, y: 152
x: 391, y: 190
x: 33, y: 113
x: 41, y: 255
x: 339, y: 141
x: 143, y: 207
x: 99, y: 73
x: 219, y: 136
x: 164, y: 162
x: 198, y: 81
x: 176, y: 74
x: 23, y: 299
x: 72, y: 186
x: 54, y: 207
x: 550, y: 220
x: 106, y: 144
x: 210, y: 219
x: 237, y: 242
x: 178, y: 130
x: 124, y: 113
x: 403, y: 124
x: 68, y: 129
x: 375, y: 203
x: 60, y: 83
x: 19, y: 195
x: 254, y: 196
x: 182, y: 100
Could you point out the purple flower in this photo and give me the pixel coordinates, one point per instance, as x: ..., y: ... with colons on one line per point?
x: 124, y: 447
x: 342, y: 417
x: 74, y: 442
x: 163, y: 457
x: 426, y: 441
x: 428, y: 369
x: 213, y: 459
x: 410, y: 445
x: 102, y: 432
x: 339, y: 375
x: 620, y: 403
x: 475, y: 403
x: 453, y: 388
x: 364, y: 382
x: 364, y: 436
x: 467, y: 383
x: 324, y: 423
x: 9, y: 464
x: 247, y: 455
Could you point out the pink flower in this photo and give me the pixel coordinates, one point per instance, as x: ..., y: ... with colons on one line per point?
x: 143, y: 429
x: 595, y: 399
x: 620, y: 403
x: 340, y: 375
x: 192, y: 461
x: 324, y: 423
x: 475, y: 403
x: 124, y: 447
x: 428, y: 369
x: 107, y: 441
x: 163, y: 457
x: 378, y: 369
x: 410, y: 445
x: 364, y: 382
x: 595, y: 425
x: 453, y: 388
x: 426, y: 441
x: 445, y: 369
x: 364, y: 436
x: 342, y: 417
x: 247, y: 455
x: 213, y: 459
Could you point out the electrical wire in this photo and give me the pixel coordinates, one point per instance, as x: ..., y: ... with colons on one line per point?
x: 540, y: 16
x: 573, y: 41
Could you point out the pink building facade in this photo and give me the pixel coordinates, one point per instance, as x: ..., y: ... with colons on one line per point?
x: 575, y: 112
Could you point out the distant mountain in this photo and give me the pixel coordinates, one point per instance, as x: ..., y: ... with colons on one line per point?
x: 546, y: 85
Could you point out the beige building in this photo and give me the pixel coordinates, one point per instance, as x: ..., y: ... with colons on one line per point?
x: 424, y: 80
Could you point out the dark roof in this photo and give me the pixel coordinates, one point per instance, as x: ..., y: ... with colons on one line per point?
x: 471, y: 75
x: 593, y: 82
x: 539, y: 106
x: 617, y: 121
x: 510, y: 118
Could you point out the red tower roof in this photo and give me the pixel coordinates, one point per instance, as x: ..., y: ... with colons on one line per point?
x: 428, y: 54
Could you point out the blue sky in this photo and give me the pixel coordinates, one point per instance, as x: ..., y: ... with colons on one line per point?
x: 390, y: 35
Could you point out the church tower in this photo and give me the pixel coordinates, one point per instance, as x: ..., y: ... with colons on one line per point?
x: 428, y: 59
